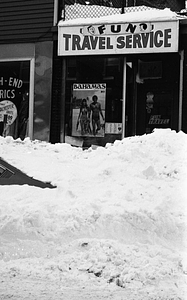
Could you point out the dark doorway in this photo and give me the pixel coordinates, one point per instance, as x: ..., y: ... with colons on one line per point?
x: 152, y: 93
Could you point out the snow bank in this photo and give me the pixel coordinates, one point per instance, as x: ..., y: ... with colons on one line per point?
x: 117, y: 219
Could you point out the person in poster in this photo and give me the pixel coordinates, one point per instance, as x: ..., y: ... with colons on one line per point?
x: 83, y: 118
x: 95, y: 109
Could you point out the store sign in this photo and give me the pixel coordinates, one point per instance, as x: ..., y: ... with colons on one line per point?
x: 116, y: 29
x: 124, y: 38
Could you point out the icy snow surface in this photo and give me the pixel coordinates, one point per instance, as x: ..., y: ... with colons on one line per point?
x: 148, y: 15
x: 113, y: 228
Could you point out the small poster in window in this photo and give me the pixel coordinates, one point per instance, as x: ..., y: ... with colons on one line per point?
x: 88, y: 109
x: 113, y: 128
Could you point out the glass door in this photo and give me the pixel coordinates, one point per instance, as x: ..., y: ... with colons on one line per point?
x: 152, y: 93
x: 158, y: 92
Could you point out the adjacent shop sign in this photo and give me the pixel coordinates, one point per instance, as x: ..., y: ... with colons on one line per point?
x: 126, y: 38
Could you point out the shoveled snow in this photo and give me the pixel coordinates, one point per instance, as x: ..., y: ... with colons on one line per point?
x: 113, y: 228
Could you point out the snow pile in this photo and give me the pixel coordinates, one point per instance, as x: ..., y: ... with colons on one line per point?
x: 81, y: 15
x: 116, y: 222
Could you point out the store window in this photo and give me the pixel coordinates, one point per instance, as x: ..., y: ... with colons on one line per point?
x: 14, y: 98
x: 93, y: 107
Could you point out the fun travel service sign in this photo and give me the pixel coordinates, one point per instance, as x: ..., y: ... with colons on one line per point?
x: 126, y: 38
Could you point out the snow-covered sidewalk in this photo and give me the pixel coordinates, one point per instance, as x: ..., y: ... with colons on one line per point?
x: 113, y: 228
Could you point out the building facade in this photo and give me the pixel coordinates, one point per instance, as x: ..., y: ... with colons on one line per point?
x: 49, y: 75
x: 134, y: 64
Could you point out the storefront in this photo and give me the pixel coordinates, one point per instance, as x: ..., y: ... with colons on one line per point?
x: 15, y: 81
x: 25, y: 90
x: 121, y: 76
x: 28, y: 43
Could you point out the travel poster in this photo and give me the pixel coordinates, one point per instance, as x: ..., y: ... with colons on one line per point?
x: 88, y: 109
